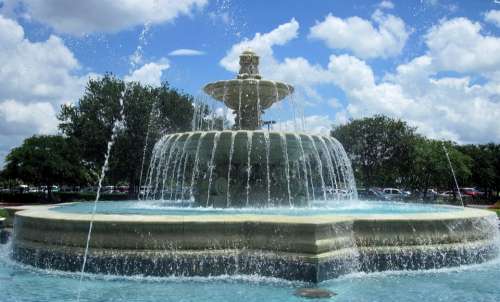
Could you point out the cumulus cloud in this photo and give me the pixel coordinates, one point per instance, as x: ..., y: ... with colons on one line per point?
x: 386, y: 4
x: 186, y: 52
x: 458, y: 45
x: 420, y: 91
x: 150, y: 73
x: 447, y: 107
x: 35, y: 70
x: 263, y: 45
x: 384, y: 36
x: 26, y: 119
x: 313, y: 124
x: 83, y: 17
x: 18, y: 120
x: 35, y: 79
x: 493, y: 16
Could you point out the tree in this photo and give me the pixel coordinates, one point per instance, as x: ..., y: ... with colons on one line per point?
x: 148, y: 113
x: 485, y: 170
x: 430, y: 166
x: 46, y: 160
x: 379, y: 148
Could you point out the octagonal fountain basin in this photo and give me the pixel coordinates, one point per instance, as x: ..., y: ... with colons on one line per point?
x: 471, y: 283
x: 318, y: 208
x: 307, y: 245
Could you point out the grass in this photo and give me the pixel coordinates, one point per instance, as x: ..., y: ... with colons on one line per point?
x: 497, y: 211
x: 3, y: 213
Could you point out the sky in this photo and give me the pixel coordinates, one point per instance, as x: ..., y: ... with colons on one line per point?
x: 432, y: 63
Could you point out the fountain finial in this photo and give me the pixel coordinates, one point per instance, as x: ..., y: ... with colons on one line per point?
x: 249, y: 65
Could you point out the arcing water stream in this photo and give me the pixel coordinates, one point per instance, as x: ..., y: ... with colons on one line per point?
x: 104, y: 168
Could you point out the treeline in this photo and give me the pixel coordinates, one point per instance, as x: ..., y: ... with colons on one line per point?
x: 76, y: 155
x: 387, y: 152
x: 384, y: 152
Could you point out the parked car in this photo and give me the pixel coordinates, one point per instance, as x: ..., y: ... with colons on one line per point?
x: 336, y: 193
x: 53, y: 189
x: 471, y: 192
x: 393, y: 193
x: 123, y: 189
x: 371, y: 194
x: 22, y: 189
x: 447, y: 194
x: 34, y: 190
x: 406, y: 193
x: 108, y: 189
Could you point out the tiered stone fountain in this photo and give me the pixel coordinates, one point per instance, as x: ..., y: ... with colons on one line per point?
x: 249, y: 167
x: 253, y: 169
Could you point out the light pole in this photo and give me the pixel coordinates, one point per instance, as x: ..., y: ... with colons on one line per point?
x: 268, y: 124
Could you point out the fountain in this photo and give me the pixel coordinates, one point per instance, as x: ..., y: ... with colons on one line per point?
x: 249, y: 167
x: 247, y: 201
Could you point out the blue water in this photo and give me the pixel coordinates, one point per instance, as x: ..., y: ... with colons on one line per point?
x: 319, y: 208
x: 476, y: 283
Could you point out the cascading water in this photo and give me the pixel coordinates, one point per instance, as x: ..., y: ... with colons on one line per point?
x: 257, y: 168
x: 297, y: 221
x: 249, y: 167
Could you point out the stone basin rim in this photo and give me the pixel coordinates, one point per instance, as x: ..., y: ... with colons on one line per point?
x: 45, y: 212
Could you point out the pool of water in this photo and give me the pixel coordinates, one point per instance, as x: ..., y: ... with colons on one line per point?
x: 476, y: 283
x: 318, y: 208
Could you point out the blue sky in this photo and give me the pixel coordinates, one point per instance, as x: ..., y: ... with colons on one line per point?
x: 433, y: 63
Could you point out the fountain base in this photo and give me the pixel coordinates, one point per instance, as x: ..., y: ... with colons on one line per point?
x: 313, y: 248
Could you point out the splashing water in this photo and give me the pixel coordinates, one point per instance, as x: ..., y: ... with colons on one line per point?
x: 116, y: 126
x: 453, y: 173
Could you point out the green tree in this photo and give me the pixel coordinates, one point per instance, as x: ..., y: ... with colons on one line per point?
x: 47, y: 160
x: 431, y: 169
x: 485, y: 170
x: 148, y: 113
x: 379, y: 148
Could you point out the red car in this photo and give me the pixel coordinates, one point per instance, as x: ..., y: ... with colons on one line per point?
x: 471, y: 192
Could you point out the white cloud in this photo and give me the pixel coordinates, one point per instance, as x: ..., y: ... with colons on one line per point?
x: 384, y: 36
x: 186, y: 52
x: 458, y: 45
x: 334, y: 103
x: 313, y: 124
x: 36, y: 70
x: 386, y: 4
x: 421, y: 91
x: 83, y: 17
x: 26, y: 119
x: 493, y: 16
x: 262, y: 44
x: 18, y: 120
x: 226, y: 114
x: 150, y: 73
x: 35, y: 79
x: 446, y: 107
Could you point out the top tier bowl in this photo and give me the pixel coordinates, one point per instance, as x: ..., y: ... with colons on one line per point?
x: 248, y: 95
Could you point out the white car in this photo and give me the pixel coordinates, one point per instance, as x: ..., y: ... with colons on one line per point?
x: 393, y: 193
x: 447, y: 194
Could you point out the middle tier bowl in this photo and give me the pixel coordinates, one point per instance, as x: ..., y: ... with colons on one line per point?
x: 240, y: 93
